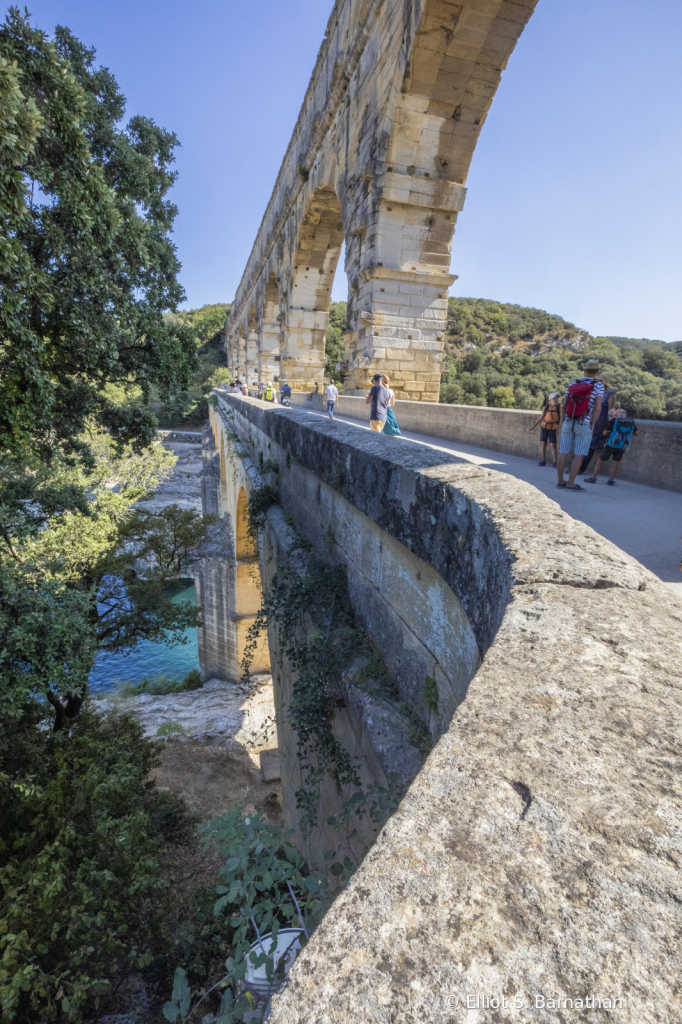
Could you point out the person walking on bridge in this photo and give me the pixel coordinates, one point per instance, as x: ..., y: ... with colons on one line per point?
x: 379, y: 397
x: 391, y: 429
x: 580, y: 411
x: 331, y: 394
x: 269, y: 394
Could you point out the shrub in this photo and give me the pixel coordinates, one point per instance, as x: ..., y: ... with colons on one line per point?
x: 170, y: 729
x: 503, y: 398
x: 86, y: 887
x: 161, y: 685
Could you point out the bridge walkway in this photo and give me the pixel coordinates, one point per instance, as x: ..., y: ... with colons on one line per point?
x: 646, y: 522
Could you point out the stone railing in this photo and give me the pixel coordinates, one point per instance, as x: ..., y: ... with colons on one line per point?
x: 654, y: 457
x: 532, y: 869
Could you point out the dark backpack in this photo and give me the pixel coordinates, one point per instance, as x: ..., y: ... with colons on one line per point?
x: 578, y: 401
x: 621, y: 432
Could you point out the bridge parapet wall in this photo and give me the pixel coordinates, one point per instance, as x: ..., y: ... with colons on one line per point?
x: 654, y: 457
x: 537, y: 851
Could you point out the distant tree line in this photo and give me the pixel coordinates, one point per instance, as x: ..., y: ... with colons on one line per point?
x: 499, y: 354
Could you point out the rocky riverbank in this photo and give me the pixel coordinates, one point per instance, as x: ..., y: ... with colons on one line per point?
x: 220, y: 742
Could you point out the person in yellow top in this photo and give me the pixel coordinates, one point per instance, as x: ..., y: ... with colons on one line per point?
x: 549, y: 421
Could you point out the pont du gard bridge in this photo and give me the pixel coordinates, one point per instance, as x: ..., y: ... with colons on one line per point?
x: 514, y: 688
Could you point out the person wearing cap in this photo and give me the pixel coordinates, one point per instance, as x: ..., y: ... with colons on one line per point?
x: 286, y: 389
x: 269, y: 394
x: 549, y: 421
x: 580, y: 411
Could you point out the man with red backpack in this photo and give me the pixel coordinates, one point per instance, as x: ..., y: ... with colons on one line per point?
x: 579, y: 412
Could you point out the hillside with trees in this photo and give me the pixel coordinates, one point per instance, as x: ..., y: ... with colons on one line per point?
x: 499, y: 354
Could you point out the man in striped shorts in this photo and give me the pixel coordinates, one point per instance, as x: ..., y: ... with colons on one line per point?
x: 579, y: 412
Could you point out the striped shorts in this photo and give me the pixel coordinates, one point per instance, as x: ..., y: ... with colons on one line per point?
x: 575, y: 434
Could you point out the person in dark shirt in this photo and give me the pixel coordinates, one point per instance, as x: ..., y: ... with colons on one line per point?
x: 379, y: 397
x: 620, y: 432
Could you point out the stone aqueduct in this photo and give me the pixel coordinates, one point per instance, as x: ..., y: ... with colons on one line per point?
x: 379, y: 159
x: 531, y: 872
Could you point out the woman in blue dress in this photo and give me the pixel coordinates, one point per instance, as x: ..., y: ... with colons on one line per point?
x: 391, y: 428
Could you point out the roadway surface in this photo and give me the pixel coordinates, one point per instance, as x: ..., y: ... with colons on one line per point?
x: 644, y: 521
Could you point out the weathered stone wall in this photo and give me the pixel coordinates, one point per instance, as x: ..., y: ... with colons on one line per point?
x: 403, y: 603
x: 654, y: 458
x: 226, y: 573
x: 379, y: 158
x: 415, y: 619
x: 535, y: 858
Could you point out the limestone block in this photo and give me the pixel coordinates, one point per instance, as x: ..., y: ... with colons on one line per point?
x: 430, y: 192
x: 430, y: 346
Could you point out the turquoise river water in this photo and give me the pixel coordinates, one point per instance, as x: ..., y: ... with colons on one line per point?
x: 149, y: 659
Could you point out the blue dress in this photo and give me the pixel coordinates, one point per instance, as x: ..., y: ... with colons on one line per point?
x: 391, y: 428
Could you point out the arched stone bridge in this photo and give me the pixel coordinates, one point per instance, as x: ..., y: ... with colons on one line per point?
x: 379, y: 158
x: 535, y: 855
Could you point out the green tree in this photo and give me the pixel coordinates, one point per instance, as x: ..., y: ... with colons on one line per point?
x: 334, y: 344
x: 89, y: 895
x: 87, y: 265
x: 503, y: 398
x: 88, y: 576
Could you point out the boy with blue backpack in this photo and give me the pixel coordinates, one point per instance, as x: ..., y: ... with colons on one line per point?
x: 621, y: 431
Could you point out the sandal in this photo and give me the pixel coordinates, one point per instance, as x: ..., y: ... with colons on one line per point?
x: 543, y: 463
x: 562, y: 484
x: 575, y: 487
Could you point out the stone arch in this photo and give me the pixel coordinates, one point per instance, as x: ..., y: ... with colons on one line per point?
x: 251, y: 347
x: 223, y: 475
x: 316, y: 254
x: 391, y: 116
x: 270, y: 330
x: 228, y: 569
x: 244, y: 543
x: 241, y: 352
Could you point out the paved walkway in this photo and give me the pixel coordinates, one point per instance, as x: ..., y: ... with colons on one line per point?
x: 644, y: 521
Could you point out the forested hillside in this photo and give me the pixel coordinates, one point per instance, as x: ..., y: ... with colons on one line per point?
x: 503, y: 355
x: 187, y: 405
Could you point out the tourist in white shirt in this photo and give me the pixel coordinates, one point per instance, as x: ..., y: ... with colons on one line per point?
x: 331, y: 394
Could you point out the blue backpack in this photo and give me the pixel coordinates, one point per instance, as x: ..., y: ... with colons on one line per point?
x: 621, y: 433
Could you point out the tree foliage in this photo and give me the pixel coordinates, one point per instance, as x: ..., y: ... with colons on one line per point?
x: 82, y: 570
x: 88, y: 898
x: 334, y: 343
x: 491, y: 359
x: 87, y: 267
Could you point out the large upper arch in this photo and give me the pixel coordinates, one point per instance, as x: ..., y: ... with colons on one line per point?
x: 379, y: 158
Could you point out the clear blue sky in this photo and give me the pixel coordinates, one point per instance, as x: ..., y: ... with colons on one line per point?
x: 574, y: 204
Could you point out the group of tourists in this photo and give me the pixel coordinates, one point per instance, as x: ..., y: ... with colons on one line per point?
x: 236, y: 388
x: 586, y: 420
x: 590, y: 426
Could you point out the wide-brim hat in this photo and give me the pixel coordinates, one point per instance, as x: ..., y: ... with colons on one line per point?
x: 592, y: 364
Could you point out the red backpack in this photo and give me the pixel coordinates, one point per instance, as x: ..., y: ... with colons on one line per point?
x: 578, y: 401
